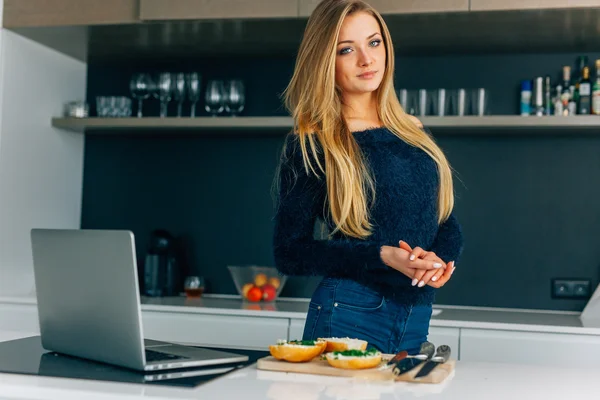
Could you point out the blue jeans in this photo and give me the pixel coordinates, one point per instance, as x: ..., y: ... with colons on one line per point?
x: 345, y: 308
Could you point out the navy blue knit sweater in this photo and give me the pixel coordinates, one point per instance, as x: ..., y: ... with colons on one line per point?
x: 406, y: 188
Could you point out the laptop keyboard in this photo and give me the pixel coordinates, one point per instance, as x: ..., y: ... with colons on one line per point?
x: 153, y: 355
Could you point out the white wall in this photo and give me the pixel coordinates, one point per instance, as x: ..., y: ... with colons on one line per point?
x: 41, y: 167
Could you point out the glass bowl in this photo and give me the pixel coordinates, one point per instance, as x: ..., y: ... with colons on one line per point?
x: 257, y: 284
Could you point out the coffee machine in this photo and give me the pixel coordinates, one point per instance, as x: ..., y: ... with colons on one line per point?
x: 162, y: 275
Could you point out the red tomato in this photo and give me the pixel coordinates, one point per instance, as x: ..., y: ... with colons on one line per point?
x: 255, y: 294
x: 269, y: 292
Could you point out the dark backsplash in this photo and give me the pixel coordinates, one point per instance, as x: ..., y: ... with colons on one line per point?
x: 527, y: 203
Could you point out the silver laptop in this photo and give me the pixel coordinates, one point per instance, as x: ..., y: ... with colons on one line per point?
x: 89, y: 303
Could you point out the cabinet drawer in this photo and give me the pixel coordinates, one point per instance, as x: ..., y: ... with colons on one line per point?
x: 214, y: 330
x: 213, y: 9
x: 539, y: 348
x: 296, y: 329
x: 19, y: 317
x: 306, y: 7
x: 489, y: 5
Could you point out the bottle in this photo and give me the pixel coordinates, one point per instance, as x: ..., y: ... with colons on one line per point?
x: 566, y: 92
x: 547, y: 96
x: 573, y: 100
x: 525, y: 98
x: 538, y: 97
x: 585, y: 92
x: 596, y: 91
x: 558, y: 103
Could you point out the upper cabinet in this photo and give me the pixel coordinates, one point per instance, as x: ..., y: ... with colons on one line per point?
x: 216, y: 9
x: 45, y: 13
x: 306, y: 7
x: 492, y: 5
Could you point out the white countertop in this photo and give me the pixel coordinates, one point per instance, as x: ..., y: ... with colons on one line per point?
x: 444, y: 315
x: 470, y: 381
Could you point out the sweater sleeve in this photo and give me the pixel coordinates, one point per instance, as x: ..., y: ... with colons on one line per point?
x: 301, y: 199
x: 448, y: 243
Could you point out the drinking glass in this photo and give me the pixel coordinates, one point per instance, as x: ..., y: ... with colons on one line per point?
x: 193, y: 286
x: 479, y: 102
x: 457, y: 102
x: 163, y: 92
x: 437, y: 102
x: 193, y: 80
x: 422, y: 109
x: 179, y: 91
x: 403, y: 98
x: 215, y: 97
x: 140, y: 87
x: 235, y: 97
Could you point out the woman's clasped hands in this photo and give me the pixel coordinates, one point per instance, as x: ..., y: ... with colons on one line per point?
x: 424, y: 267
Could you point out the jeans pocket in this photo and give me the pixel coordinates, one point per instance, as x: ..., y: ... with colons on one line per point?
x: 312, y: 318
x: 354, y: 296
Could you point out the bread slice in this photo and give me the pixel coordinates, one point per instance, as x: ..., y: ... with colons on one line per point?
x: 343, y: 344
x: 354, y: 359
x: 297, y: 350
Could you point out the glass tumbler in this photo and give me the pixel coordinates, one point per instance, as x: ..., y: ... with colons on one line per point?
x: 194, y: 286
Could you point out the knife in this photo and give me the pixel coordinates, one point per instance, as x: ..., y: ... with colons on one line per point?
x: 441, y: 356
x: 410, y: 362
x: 400, y: 356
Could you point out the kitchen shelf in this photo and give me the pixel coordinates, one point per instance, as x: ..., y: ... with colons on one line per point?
x: 275, y: 125
x: 104, y: 125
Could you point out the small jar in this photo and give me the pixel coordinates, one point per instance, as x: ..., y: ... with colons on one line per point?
x: 76, y: 109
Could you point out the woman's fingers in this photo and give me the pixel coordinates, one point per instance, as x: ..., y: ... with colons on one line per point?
x: 418, y: 276
x: 445, y: 276
x: 431, y: 256
x: 432, y: 274
x: 425, y: 264
x: 428, y: 276
x: 417, y: 253
x: 438, y: 274
x: 405, y: 246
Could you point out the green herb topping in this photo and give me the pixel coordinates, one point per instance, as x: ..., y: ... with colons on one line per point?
x: 356, y: 353
x: 303, y: 342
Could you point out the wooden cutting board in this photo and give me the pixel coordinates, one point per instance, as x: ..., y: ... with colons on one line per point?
x: 321, y: 367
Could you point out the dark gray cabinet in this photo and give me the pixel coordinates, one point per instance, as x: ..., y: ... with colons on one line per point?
x: 216, y: 9
x: 497, y: 5
x: 45, y: 13
x: 306, y: 7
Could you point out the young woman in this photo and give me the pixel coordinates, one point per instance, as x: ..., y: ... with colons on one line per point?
x: 380, y: 183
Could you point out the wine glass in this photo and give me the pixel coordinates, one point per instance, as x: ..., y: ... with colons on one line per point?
x: 193, y: 90
x: 179, y: 91
x: 163, y: 91
x: 235, y: 97
x: 140, y: 87
x: 214, y: 97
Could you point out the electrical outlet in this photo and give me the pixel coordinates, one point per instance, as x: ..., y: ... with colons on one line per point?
x: 563, y: 288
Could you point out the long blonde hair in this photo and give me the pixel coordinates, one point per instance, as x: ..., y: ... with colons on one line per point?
x: 315, y: 104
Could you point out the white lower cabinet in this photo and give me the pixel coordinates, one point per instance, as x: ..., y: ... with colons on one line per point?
x: 19, y: 317
x: 255, y: 333
x: 449, y: 336
x: 258, y: 332
x: 296, y: 329
x: 538, y: 348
